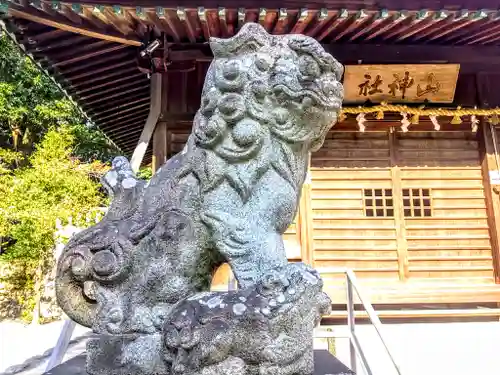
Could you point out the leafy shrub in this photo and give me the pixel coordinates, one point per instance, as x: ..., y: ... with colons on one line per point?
x: 50, y: 161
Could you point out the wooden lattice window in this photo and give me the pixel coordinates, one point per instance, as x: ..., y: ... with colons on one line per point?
x: 417, y: 202
x: 378, y: 202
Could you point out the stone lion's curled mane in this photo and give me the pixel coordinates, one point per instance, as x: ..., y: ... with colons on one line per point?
x: 244, y: 126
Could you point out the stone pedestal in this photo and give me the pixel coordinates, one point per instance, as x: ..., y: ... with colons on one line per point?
x: 125, y: 354
x: 324, y: 364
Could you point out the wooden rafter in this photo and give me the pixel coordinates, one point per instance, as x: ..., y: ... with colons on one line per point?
x: 342, y: 17
x: 97, y: 72
x: 94, y: 72
x: 115, y: 95
x: 116, y: 108
x: 120, y: 104
x: 197, y: 23
x: 93, y: 64
x: 112, y: 85
x: 103, y: 80
x: 121, y: 112
x: 126, y: 133
x: 89, y: 51
x: 119, y: 123
x: 57, y: 22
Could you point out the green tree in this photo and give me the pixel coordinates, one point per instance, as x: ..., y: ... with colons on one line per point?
x: 49, y: 163
x: 54, y: 185
x: 24, y: 94
x: 30, y: 104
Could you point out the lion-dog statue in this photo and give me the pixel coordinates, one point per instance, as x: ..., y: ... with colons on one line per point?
x: 267, y: 103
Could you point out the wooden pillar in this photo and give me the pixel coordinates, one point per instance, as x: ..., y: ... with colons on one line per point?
x: 490, y: 171
x: 160, y: 136
x: 305, y: 222
x: 149, y: 127
x: 399, y: 217
x: 160, y: 145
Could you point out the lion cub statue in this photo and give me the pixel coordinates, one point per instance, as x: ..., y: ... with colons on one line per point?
x: 266, y: 329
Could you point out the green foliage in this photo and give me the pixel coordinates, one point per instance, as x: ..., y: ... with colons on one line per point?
x: 49, y: 161
x: 8, y: 158
x: 26, y: 95
x: 145, y: 173
x: 53, y: 185
x: 91, y: 144
x: 30, y: 104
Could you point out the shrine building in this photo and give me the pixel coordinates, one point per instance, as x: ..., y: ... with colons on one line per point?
x: 404, y: 191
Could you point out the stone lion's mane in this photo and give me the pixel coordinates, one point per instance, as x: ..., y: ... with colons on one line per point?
x: 236, y: 134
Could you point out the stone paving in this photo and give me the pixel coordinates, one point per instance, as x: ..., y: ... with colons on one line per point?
x: 25, y: 350
x: 430, y: 349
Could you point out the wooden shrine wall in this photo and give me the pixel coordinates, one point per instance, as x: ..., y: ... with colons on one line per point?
x: 401, y: 207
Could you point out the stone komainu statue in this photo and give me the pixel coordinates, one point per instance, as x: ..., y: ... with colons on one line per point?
x: 140, y: 277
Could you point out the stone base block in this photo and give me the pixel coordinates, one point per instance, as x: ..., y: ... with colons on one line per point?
x: 324, y: 364
x: 125, y: 355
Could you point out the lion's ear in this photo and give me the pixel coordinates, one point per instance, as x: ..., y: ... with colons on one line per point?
x: 250, y: 38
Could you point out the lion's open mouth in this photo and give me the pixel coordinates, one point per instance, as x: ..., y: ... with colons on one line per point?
x: 318, y: 99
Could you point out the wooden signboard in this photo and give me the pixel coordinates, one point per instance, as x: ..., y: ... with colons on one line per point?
x: 414, y: 83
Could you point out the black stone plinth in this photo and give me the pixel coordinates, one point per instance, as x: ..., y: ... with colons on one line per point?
x: 324, y: 363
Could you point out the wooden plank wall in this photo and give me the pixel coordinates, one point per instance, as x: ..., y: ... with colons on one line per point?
x: 425, y: 223
x: 343, y: 235
x: 401, y: 207
x: 453, y: 241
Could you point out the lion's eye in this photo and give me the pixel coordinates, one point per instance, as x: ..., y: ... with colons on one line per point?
x: 231, y: 69
x: 309, y: 67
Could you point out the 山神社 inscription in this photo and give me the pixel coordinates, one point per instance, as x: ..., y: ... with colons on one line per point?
x: 141, y: 277
x: 401, y: 83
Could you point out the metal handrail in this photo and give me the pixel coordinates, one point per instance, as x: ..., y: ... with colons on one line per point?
x: 354, y: 345
x: 372, y: 315
x: 62, y: 345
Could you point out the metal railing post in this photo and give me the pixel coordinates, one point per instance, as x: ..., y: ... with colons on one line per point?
x: 351, y: 322
x: 355, y: 349
x: 374, y: 319
x: 61, y: 347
